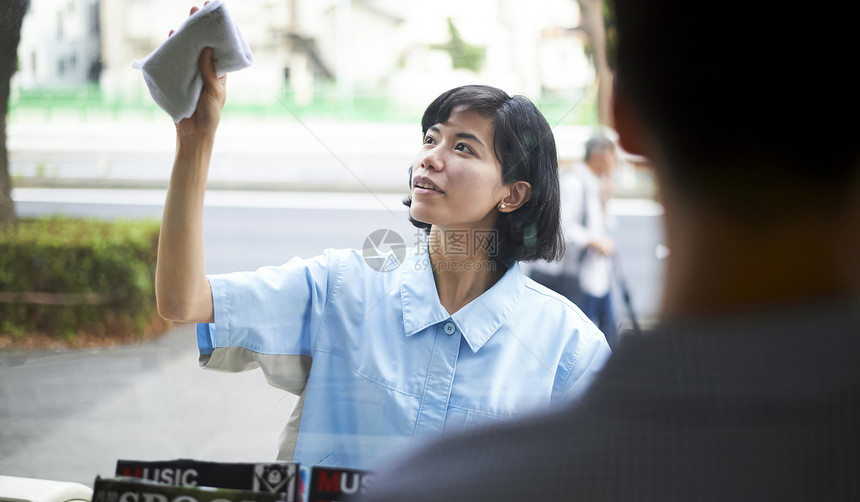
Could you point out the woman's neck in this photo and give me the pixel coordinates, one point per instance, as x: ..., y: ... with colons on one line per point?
x: 462, y: 266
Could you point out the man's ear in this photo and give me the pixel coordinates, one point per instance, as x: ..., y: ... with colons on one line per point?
x: 519, y: 193
x: 631, y: 132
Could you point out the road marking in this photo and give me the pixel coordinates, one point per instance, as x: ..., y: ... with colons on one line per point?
x: 357, y: 201
x: 217, y: 198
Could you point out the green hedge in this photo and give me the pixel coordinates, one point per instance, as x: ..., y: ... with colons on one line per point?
x: 63, y: 276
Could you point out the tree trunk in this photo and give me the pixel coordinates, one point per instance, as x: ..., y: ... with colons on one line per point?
x: 11, y: 17
x: 595, y: 28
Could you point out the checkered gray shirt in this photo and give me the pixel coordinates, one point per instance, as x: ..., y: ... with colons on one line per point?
x: 759, y: 408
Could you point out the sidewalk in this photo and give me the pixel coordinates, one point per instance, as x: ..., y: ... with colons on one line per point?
x: 271, y: 155
x: 69, y: 415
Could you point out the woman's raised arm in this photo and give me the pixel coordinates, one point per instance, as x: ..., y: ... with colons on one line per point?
x: 181, y: 288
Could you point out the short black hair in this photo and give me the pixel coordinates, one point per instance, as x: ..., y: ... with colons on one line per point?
x: 747, y: 106
x: 525, y: 147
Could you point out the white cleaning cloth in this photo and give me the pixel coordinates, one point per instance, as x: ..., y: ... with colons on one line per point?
x: 171, y: 72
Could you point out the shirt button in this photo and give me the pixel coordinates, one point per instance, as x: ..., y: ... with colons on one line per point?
x: 449, y: 328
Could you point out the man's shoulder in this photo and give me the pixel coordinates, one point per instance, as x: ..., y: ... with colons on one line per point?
x: 500, y: 462
x: 684, y: 412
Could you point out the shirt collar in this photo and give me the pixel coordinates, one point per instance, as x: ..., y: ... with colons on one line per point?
x: 478, y: 320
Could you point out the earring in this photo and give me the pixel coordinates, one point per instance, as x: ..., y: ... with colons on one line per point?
x: 502, y: 206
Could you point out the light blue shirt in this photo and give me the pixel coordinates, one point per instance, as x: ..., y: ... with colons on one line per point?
x: 378, y: 362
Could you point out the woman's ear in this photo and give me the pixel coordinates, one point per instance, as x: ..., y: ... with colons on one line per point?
x: 519, y: 193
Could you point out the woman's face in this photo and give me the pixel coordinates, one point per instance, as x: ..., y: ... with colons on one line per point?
x: 456, y: 178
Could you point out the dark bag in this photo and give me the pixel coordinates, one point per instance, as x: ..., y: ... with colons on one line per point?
x: 566, y: 285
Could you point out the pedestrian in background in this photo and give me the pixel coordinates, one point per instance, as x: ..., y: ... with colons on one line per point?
x: 584, y: 274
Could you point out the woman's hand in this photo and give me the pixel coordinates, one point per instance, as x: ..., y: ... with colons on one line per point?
x: 205, y: 120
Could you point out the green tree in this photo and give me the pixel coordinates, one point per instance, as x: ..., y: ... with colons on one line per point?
x: 11, y: 17
x: 594, y: 25
x: 463, y: 55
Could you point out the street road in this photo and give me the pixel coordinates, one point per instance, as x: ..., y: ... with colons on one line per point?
x: 245, y: 230
x: 69, y: 415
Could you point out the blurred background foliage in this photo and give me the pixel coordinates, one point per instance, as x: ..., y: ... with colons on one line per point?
x: 66, y: 277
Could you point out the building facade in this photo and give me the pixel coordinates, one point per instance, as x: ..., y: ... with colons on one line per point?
x: 60, y: 44
x: 403, y: 49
